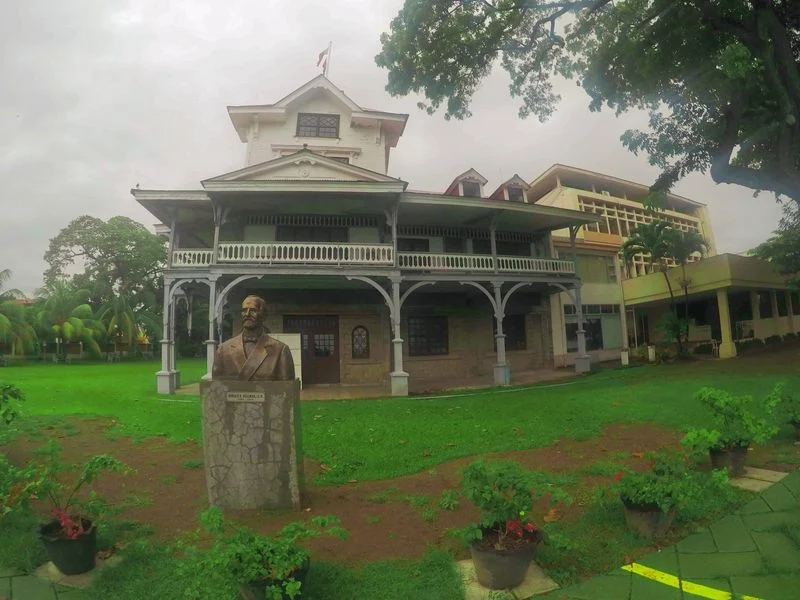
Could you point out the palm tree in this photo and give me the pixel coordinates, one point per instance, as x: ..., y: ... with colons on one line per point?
x: 64, y: 313
x: 121, y: 319
x: 5, y: 275
x: 15, y: 331
x: 681, y: 246
x: 653, y: 239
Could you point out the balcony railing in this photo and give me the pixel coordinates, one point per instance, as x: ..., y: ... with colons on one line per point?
x: 191, y: 258
x: 444, y: 262
x: 309, y: 253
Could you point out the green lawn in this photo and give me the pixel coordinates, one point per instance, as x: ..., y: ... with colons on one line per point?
x: 379, y: 439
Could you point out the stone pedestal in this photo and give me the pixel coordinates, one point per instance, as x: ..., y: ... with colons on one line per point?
x: 251, y: 443
x: 502, y: 374
x: 165, y: 382
x: 399, y: 383
x: 624, y: 357
x: 583, y: 364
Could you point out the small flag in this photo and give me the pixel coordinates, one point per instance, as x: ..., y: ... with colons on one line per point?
x: 323, y: 58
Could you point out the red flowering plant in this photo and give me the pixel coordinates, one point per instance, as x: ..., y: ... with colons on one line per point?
x: 68, y: 507
x: 504, y: 492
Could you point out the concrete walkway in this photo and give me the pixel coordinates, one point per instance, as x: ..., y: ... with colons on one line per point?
x: 752, y: 554
x: 14, y: 586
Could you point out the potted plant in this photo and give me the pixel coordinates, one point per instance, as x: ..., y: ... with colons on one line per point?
x: 736, y: 422
x: 70, y: 538
x: 651, y: 499
x: 504, y: 541
x: 240, y: 560
x: 788, y: 407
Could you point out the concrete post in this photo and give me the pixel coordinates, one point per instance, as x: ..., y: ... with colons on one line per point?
x: 755, y: 309
x: 176, y: 374
x: 398, y: 377
x: 493, y: 245
x: 164, y: 378
x: 623, y: 316
x: 583, y: 362
x: 727, y: 348
x: 211, y: 344
x: 776, y: 318
x: 502, y: 375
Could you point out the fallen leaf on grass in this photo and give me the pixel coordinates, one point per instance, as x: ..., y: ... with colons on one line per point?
x: 637, y: 454
x: 552, y: 515
x: 323, y: 467
x: 401, y: 442
x: 426, y: 453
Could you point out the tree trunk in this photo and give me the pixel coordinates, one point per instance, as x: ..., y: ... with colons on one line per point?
x: 672, y: 306
x: 685, y: 285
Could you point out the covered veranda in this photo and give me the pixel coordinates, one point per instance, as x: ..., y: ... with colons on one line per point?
x: 731, y: 298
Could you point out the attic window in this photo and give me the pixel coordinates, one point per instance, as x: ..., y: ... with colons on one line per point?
x: 317, y: 125
x: 471, y: 188
x: 515, y: 194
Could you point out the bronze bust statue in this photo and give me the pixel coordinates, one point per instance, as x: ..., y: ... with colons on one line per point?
x: 253, y: 354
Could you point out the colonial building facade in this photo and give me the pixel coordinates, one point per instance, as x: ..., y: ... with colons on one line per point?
x: 378, y: 283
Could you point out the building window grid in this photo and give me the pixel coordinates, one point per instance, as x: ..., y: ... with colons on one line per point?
x: 360, y: 342
x: 317, y: 125
x: 623, y: 220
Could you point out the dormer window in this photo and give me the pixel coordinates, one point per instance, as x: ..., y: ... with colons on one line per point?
x: 317, y: 125
x: 471, y: 189
x: 515, y: 194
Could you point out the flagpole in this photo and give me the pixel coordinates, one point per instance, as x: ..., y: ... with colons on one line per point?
x: 328, y: 61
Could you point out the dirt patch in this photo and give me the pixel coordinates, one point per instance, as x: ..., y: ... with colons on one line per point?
x: 393, y: 518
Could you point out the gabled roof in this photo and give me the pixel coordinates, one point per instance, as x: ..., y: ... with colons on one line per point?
x: 303, y: 165
x: 515, y: 181
x: 243, y: 116
x: 469, y: 175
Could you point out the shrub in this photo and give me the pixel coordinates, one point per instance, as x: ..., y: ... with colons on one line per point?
x: 240, y: 556
x: 11, y: 398
x: 743, y: 346
x: 735, y: 421
x: 670, y: 484
x: 772, y: 340
x: 504, y: 492
x: 788, y: 405
x: 703, y: 349
x: 790, y: 336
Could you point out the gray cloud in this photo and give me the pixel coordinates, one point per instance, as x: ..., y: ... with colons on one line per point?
x: 98, y: 96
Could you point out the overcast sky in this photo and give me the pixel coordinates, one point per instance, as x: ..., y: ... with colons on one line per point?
x: 98, y: 95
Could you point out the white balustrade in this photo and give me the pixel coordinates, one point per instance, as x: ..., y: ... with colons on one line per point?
x: 306, y: 253
x: 364, y: 254
x: 426, y: 261
x: 529, y: 264
x: 444, y: 262
x: 191, y: 257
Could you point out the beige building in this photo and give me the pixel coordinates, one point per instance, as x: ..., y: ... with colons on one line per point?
x: 610, y: 324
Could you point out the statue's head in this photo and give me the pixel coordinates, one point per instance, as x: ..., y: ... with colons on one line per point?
x: 254, y: 310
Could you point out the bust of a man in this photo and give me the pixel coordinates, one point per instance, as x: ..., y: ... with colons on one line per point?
x: 253, y: 354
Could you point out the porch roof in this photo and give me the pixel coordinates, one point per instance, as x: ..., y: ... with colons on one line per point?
x: 460, y: 211
x: 724, y: 271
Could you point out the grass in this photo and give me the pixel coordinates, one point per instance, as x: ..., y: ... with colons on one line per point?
x: 192, y: 463
x: 409, y: 435
x: 124, y: 392
x: 148, y: 571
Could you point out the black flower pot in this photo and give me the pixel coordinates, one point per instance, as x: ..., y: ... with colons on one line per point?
x: 71, y: 557
x: 648, y: 520
x: 719, y: 458
x: 796, y: 425
x: 255, y: 590
x: 503, y: 569
x: 738, y: 455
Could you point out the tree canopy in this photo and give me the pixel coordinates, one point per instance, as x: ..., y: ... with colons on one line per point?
x: 721, y: 79
x: 783, y: 247
x: 117, y: 256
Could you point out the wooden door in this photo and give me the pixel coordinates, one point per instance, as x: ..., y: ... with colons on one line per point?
x: 319, y: 345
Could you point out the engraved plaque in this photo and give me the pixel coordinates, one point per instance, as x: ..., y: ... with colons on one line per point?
x: 244, y: 397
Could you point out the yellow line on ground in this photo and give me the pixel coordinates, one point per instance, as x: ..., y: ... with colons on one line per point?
x: 687, y: 586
